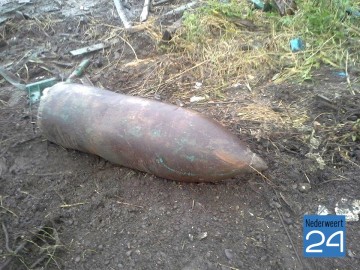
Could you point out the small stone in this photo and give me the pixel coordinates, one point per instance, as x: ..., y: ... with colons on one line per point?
x: 288, y: 221
x: 202, y: 236
x: 128, y: 253
x: 229, y: 254
x: 275, y: 205
x: 120, y: 265
x: 191, y: 237
x: 12, y: 41
x: 352, y: 118
x: 304, y: 187
x: 350, y: 253
x: 77, y: 259
x: 106, y: 262
x: 100, y: 247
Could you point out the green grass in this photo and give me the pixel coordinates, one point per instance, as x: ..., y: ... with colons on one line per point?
x: 331, y: 37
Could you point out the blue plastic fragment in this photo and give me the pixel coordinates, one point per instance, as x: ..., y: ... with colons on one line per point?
x: 342, y: 74
x: 258, y: 4
x: 297, y: 45
x: 353, y: 12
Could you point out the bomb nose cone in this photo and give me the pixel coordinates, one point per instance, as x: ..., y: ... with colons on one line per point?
x: 257, y: 163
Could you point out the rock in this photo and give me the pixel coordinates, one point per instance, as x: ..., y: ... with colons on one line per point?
x: 191, y: 237
x: 288, y: 221
x: 202, y: 235
x: 304, y: 187
x: 351, y: 254
x: 77, y: 259
x: 229, y: 254
x: 128, y: 253
x: 275, y: 205
x: 286, y: 214
x: 13, y: 41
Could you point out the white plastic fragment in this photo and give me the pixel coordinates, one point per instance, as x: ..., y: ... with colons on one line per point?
x: 322, y: 210
x: 88, y: 49
x: 202, y: 236
x: 145, y: 12
x: 196, y: 99
x: 351, y: 209
x: 198, y: 85
x: 122, y: 15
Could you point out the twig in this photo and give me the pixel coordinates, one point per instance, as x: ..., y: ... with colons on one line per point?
x: 43, y: 174
x: 185, y: 71
x: 129, y: 46
x: 180, y: 9
x: 38, y: 261
x: 72, y: 205
x: 230, y: 267
x: 350, y: 161
x: 14, y: 253
x: 145, y: 12
x: 288, y: 235
x: 12, y: 79
x: 284, y: 199
x: 122, y: 15
x: 130, y: 204
x: 222, y: 102
x: 347, y: 74
x: 331, y: 180
x: 6, y: 209
x: 156, y: 3
x: 6, y: 238
x: 282, y: 222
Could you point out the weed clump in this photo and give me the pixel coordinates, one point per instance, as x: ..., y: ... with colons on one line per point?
x: 243, y: 44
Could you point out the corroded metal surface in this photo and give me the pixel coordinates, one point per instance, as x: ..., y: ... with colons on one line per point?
x: 147, y: 135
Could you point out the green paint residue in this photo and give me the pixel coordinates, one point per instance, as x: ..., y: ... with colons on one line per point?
x: 180, y: 144
x: 135, y: 131
x: 190, y: 158
x: 156, y: 133
x: 161, y: 161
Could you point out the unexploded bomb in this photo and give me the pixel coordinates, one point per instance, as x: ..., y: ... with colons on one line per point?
x: 147, y: 135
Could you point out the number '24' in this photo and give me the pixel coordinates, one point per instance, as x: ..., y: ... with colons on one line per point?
x: 328, y: 242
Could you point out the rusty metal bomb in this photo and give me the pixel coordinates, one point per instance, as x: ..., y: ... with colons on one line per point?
x: 143, y: 134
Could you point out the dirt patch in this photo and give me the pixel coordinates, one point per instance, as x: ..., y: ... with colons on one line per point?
x: 62, y: 209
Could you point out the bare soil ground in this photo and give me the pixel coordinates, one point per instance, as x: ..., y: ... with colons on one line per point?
x: 63, y: 209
